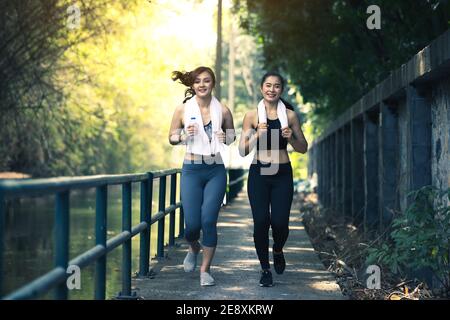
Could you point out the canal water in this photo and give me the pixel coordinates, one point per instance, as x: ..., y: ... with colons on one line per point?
x: 29, y: 240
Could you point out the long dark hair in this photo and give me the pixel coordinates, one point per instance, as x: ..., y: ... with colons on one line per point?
x: 283, y: 84
x: 188, y: 79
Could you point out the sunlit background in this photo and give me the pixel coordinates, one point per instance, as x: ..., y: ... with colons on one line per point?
x: 136, y: 59
x: 105, y: 97
x: 112, y: 115
x: 86, y: 89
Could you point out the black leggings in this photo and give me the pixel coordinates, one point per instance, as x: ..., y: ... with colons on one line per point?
x: 274, y: 191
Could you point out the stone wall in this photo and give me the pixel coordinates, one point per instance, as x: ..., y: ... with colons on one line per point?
x: 392, y: 141
x: 440, y: 113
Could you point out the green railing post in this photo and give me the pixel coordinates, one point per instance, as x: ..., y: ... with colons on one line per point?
x: 126, y: 253
x: 146, y: 207
x: 62, y: 239
x: 98, y: 254
x: 100, y: 240
x: 2, y: 238
x: 181, y: 221
x: 173, y: 194
x: 162, y: 205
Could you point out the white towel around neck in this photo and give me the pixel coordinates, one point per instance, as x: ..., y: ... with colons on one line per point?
x: 281, y: 112
x: 200, y: 143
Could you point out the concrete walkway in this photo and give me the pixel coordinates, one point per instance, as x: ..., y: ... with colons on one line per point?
x: 236, y: 267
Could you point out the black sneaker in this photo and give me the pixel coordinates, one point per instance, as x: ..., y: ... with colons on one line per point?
x: 278, y: 262
x: 266, y: 279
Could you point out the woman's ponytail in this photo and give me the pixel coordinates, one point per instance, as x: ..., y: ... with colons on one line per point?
x: 188, y: 79
x: 287, y: 104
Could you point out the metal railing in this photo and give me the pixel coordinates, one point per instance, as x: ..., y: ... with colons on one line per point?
x: 387, y: 144
x: 61, y: 188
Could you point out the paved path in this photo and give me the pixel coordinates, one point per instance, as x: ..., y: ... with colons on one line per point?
x: 236, y: 267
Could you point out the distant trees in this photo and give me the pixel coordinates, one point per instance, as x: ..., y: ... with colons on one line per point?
x: 86, y: 99
x: 34, y: 116
x: 327, y: 49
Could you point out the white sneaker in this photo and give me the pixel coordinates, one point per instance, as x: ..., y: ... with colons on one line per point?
x: 206, y: 279
x: 190, y: 262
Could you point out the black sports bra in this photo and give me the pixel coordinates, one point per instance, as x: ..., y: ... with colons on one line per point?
x: 265, y: 141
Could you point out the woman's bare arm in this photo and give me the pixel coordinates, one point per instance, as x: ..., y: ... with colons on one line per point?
x: 228, y: 126
x: 176, y: 127
x: 249, y: 136
x: 298, y: 140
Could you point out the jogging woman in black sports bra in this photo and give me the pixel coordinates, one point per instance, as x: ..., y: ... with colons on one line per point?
x: 270, y: 180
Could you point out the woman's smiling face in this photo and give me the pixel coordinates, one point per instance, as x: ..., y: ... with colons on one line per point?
x: 272, y: 89
x: 203, y: 85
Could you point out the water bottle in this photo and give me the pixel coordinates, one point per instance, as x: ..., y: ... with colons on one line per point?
x: 192, y: 122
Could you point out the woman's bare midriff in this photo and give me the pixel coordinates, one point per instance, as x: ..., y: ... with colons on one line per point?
x: 272, y: 156
x: 217, y: 158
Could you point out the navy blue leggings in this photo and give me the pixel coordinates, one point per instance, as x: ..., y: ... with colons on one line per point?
x: 202, y: 191
x: 270, y: 199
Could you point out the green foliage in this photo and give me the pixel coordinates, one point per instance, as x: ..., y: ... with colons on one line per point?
x: 299, y: 165
x: 97, y: 99
x: 419, y: 237
x: 327, y: 49
x: 43, y: 132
